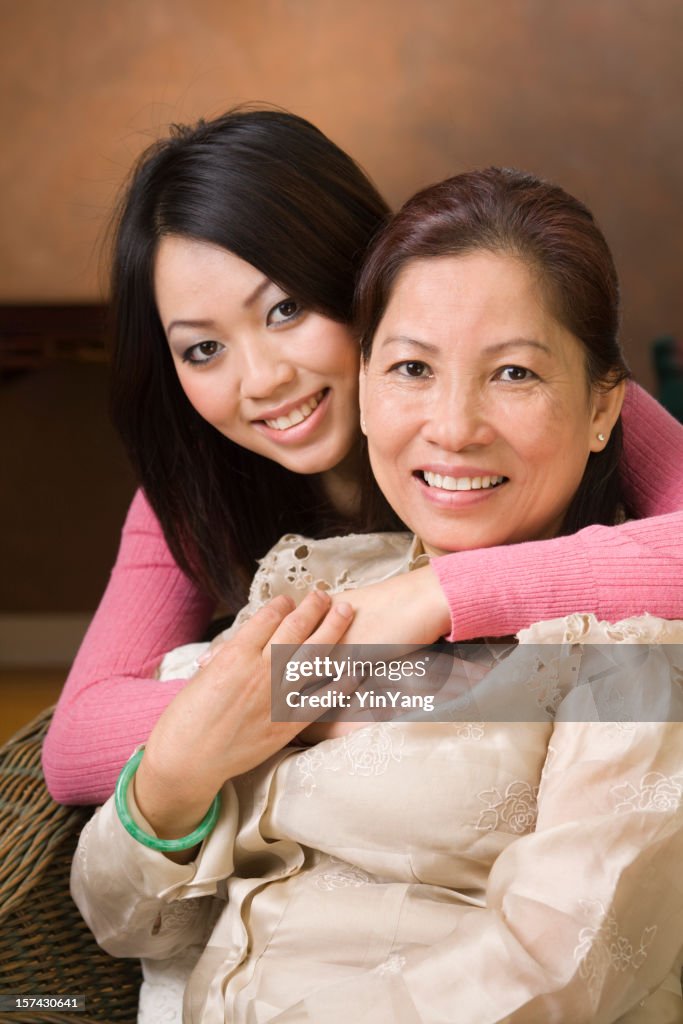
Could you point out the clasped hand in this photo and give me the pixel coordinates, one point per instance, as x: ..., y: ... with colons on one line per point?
x: 219, y: 726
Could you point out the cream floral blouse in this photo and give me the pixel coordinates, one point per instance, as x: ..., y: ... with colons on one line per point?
x: 445, y: 873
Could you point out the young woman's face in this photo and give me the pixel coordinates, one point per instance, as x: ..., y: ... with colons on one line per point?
x: 268, y: 374
x: 478, y: 412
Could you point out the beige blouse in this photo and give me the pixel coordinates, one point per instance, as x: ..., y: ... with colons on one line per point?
x: 447, y: 873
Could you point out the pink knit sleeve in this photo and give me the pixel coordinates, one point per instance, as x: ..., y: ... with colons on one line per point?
x: 613, y: 571
x: 110, y: 701
x: 652, y: 464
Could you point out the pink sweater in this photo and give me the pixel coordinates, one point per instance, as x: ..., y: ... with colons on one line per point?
x: 111, y: 701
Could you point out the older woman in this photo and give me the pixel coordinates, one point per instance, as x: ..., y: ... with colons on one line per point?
x: 470, y: 872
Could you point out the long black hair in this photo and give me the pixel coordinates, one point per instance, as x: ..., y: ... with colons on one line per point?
x: 502, y: 210
x: 272, y: 189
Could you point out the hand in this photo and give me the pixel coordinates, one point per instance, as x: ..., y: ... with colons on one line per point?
x: 410, y: 610
x: 219, y: 725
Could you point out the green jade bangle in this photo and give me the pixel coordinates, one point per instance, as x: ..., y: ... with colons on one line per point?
x: 202, y: 830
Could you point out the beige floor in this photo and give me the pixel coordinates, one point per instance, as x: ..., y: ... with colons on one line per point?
x: 25, y: 692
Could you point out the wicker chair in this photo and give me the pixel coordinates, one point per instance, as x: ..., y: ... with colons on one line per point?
x: 45, y: 947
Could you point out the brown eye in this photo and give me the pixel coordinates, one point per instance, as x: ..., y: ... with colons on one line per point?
x: 285, y: 312
x: 412, y: 368
x: 203, y: 352
x: 515, y: 373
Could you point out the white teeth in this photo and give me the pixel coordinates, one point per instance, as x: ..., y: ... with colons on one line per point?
x: 461, y: 483
x: 298, y: 415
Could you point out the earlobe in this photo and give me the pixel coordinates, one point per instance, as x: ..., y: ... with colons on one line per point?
x: 606, y: 408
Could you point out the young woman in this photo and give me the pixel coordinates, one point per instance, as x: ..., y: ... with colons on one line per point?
x: 237, y: 250
x: 477, y: 872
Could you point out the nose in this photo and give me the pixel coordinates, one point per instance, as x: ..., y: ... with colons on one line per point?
x: 265, y: 368
x: 456, y: 417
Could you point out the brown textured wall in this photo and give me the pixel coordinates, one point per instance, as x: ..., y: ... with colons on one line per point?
x: 65, y: 486
x: 588, y: 92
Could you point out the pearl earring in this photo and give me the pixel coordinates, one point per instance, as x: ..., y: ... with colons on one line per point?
x: 601, y: 437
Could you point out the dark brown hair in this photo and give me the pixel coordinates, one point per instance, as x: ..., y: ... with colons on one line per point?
x: 511, y: 212
x: 272, y: 189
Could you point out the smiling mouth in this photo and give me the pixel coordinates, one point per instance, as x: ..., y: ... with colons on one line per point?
x: 297, y: 415
x: 460, y: 483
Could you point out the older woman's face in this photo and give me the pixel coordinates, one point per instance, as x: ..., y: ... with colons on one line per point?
x: 477, y: 407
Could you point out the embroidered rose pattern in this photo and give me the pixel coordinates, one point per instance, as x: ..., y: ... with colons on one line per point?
x: 366, y: 752
x: 656, y: 792
x: 370, y: 751
x: 602, y: 948
x: 512, y: 811
x: 344, y: 877
x: 470, y: 730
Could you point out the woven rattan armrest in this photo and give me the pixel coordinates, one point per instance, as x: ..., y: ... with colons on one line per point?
x: 45, y: 946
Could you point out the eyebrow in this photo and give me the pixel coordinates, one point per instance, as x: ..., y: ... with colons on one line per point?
x: 207, y: 324
x: 497, y: 348
x: 257, y: 292
x: 503, y: 346
x: 189, y: 323
x: 403, y: 339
